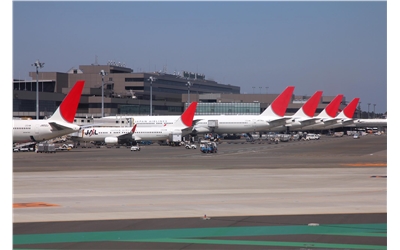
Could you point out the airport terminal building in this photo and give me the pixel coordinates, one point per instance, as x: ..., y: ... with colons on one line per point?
x: 117, y: 90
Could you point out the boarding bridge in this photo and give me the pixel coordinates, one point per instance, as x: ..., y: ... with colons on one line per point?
x: 213, y: 124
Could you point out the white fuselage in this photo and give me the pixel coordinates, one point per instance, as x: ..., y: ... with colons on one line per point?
x: 210, y: 123
x: 368, y: 123
x: 37, y: 130
x: 156, y: 133
x: 99, y: 134
x: 112, y: 134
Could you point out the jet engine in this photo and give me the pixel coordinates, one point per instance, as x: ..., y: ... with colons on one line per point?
x: 111, y: 140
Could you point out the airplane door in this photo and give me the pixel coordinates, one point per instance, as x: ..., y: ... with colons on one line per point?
x: 36, y: 129
x: 258, y: 124
x: 254, y: 124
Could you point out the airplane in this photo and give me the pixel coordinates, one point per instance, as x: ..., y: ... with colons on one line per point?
x: 120, y: 135
x: 59, y: 124
x: 345, y: 117
x: 101, y: 135
x: 172, y: 132
x: 304, y: 116
x: 363, y: 123
x: 273, y: 116
x: 327, y: 117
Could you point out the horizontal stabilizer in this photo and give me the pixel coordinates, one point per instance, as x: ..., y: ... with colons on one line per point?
x: 57, y: 126
x: 278, y: 122
x: 307, y: 122
x: 347, y: 121
x: 330, y: 121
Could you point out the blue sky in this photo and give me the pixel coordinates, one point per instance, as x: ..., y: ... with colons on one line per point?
x: 336, y: 47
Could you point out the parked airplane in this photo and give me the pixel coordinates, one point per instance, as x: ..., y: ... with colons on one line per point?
x: 172, y: 132
x: 345, y: 117
x: 59, y: 124
x: 304, y: 116
x: 354, y: 122
x: 102, y: 135
x: 327, y: 117
x: 363, y: 123
x: 120, y: 135
x: 273, y: 116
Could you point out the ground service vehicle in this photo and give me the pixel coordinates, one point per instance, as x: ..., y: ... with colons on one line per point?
x: 46, y: 148
x: 208, y: 147
x: 135, y: 148
x: 190, y: 146
x: 312, y: 137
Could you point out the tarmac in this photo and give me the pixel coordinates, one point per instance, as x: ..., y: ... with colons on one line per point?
x: 325, y: 194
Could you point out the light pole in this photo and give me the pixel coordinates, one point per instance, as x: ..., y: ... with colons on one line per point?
x: 103, y: 74
x: 359, y: 110
x: 189, y: 84
x: 151, y: 79
x: 253, y: 89
x: 374, y: 110
x: 368, y: 109
x: 260, y: 89
x: 266, y: 90
x: 38, y: 65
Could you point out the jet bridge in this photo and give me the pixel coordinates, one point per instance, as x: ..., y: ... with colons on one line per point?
x: 212, y: 124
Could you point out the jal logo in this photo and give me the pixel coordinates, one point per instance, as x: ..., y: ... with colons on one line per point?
x: 91, y: 132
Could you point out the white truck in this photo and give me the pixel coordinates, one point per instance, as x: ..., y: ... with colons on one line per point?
x: 190, y: 146
x: 175, y: 139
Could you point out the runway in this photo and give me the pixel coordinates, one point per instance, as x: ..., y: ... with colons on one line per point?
x: 325, y: 194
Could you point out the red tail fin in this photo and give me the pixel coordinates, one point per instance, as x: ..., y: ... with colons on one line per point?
x: 280, y: 104
x: 311, y: 105
x: 134, y: 128
x: 351, y: 108
x: 333, y: 107
x: 188, y: 115
x: 70, y: 103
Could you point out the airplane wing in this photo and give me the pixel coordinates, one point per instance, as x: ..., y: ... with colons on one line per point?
x: 196, y: 121
x: 128, y: 136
